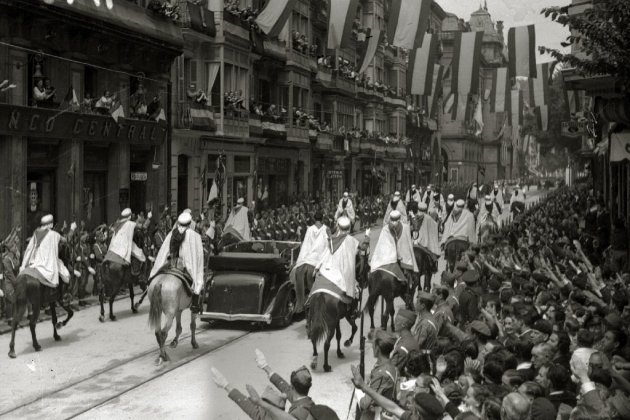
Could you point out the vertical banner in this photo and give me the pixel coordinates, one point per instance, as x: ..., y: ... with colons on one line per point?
x: 501, y: 88
x: 408, y: 22
x: 421, y: 66
x: 522, y: 51
x: 341, y: 15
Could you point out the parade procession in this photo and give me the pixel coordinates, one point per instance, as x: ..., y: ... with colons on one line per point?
x: 315, y: 209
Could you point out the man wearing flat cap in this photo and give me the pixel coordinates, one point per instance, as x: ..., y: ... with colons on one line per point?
x: 395, y: 204
x: 346, y: 208
x: 238, y: 221
x: 383, y: 377
x: 394, y: 249
x: 122, y: 247
x: 406, y: 343
x: 182, y: 249
x: 459, y: 233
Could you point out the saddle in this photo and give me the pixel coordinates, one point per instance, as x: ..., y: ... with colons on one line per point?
x: 182, y: 275
x: 323, y: 285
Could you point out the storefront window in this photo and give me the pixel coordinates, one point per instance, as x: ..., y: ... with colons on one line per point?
x: 242, y: 164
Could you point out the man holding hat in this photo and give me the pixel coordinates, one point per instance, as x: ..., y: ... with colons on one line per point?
x: 406, y: 343
x: 183, y: 249
x: 395, y: 204
x: 346, y: 208
x: 238, y: 221
x: 394, y: 249
x: 413, y: 195
x: 311, y: 253
x: 459, y: 227
x: 122, y: 246
x: 41, y: 258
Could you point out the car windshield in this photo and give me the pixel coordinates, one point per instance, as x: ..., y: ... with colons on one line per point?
x: 288, y: 250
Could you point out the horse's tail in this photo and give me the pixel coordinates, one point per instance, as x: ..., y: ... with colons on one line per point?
x: 155, y: 310
x: 317, y: 319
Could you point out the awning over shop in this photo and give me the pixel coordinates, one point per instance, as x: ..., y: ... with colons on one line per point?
x: 124, y: 15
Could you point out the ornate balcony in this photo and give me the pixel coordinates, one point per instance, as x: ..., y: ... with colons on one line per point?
x: 193, y: 117
x: 196, y: 17
x: 236, y: 26
x: 324, y: 142
x: 236, y: 126
x: 298, y: 133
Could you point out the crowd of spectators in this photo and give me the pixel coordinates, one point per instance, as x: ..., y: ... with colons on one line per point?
x: 532, y: 324
x: 247, y: 16
x: 233, y: 103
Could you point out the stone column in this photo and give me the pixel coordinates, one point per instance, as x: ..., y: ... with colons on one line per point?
x: 14, y: 192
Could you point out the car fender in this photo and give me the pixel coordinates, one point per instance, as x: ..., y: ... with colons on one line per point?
x: 276, y: 305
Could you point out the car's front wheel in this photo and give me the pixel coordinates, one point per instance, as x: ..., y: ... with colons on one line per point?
x: 288, y: 311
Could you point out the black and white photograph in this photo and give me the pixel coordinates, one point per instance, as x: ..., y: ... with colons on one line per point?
x: 315, y: 209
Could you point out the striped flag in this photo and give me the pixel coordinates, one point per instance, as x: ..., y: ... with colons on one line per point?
x: 449, y: 102
x: 201, y: 118
x: 500, y: 95
x: 516, y: 107
x: 373, y: 39
x: 421, y: 65
x: 466, y: 59
x: 341, y: 13
x: 432, y: 100
x: 273, y: 17
x: 408, y: 22
x: 573, y: 98
x: 461, y: 109
x: 539, y: 86
x: 522, y: 51
x: 541, y: 112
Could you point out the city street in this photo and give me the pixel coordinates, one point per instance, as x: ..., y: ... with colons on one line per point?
x: 107, y: 370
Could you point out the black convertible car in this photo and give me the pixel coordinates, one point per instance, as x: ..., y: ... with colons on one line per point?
x: 250, y: 282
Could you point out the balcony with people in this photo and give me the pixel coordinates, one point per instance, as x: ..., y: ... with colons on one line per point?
x: 239, y: 20
x: 193, y: 15
x: 337, y: 74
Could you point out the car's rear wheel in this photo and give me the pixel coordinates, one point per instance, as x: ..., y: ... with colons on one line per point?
x: 288, y: 311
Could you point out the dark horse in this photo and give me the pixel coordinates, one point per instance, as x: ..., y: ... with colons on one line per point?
x: 30, y: 290
x: 115, y: 276
x: 325, y: 314
x: 453, y: 250
x: 427, y: 264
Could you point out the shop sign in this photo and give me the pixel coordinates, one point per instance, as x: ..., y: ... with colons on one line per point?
x: 56, y: 124
x: 335, y: 174
x: 138, y: 176
x: 573, y: 128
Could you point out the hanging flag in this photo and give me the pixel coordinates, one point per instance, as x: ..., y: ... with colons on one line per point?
x: 201, y: 118
x: 341, y: 15
x: 522, y: 51
x: 501, y: 88
x: 478, y: 118
x: 620, y: 146
x: 539, y: 86
x: 421, y: 66
x: 449, y: 102
x: 161, y: 116
x: 71, y: 97
x: 408, y: 22
x: 461, y: 110
x: 516, y: 108
x: 274, y: 16
x: 213, y: 195
x: 372, y: 40
x: 436, y: 90
x: 118, y: 113
x: 465, y: 65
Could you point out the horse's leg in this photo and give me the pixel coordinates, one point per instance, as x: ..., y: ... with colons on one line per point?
x: 34, y: 317
x: 111, y: 305
x: 315, y: 355
x: 164, y: 333
x: 193, y: 329
x: 53, y: 314
x: 352, y: 321
x: 331, y: 334
x: 69, y: 312
x: 391, y: 311
x: 370, y: 304
x: 340, y: 355
x: 131, y: 296
x: 178, y: 328
x: 18, y: 312
x: 101, y: 299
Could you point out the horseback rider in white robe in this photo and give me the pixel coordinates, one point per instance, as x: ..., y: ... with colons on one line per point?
x: 183, y: 249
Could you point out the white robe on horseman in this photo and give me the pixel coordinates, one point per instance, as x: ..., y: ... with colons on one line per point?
x: 313, y: 247
x: 401, y: 209
x: 463, y: 228
x: 339, y: 265
x: 41, y: 255
x: 415, y: 196
x: 122, y: 244
x: 428, y: 236
x: 190, y: 253
x: 239, y: 221
x: 497, y: 203
x: 348, y: 211
x: 388, y: 252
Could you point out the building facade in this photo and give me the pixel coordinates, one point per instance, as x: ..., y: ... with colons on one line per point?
x: 62, y: 152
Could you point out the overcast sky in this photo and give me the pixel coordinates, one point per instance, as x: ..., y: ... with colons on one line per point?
x: 517, y: 13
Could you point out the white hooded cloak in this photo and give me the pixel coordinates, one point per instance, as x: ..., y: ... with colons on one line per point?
x: 191, y: 253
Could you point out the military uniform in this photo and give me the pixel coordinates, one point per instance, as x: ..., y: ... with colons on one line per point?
x: 443, y: 314
x: 99, y: 250
x: 10, y: 268
x: 405, y: 344
x: 426, y: 332
x: 383, y: 379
